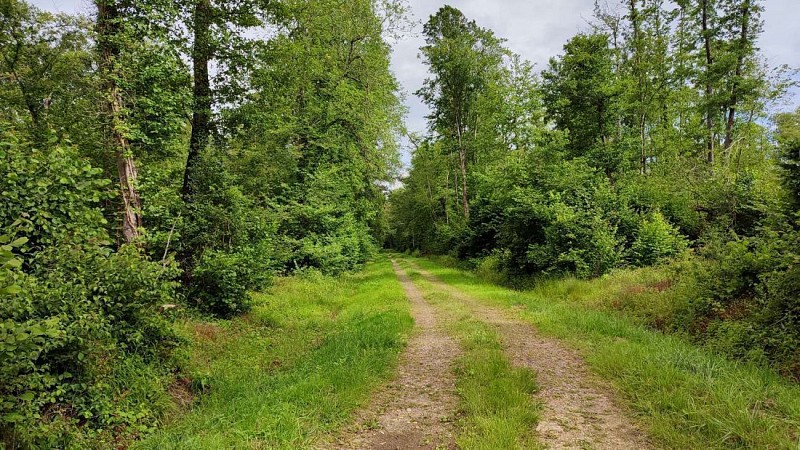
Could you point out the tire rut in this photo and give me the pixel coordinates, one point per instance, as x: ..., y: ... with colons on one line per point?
x: 417, y: 410
x: 579, y: 410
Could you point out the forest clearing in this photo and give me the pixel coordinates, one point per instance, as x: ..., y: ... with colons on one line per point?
x: 399, y: 224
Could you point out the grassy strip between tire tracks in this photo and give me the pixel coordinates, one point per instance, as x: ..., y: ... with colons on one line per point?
x: 496, y: 404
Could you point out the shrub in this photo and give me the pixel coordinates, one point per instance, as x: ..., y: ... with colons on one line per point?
x: 778, y: 318
x: 219, y: 284
x: 21, y: 343
x: 577, y: 242
x: 66, y: 335
x: 228, y: 241
x: 222, y: 280
x: 52, y: 195
x: 656, y: 240
x: 490, y: 268
x: 84, y: 347
x: 728, y: 269
x: 740, y: 297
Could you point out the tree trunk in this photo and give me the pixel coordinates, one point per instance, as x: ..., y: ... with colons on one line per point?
x: 108, y: 32
x: 643, y: 145
x: 201, y: 112
x: 640, y: 84
x: 462, y: 156
x: 464, y: 196
x: 709, y: 87
x: 446, y: 200
x: 456, y: 189
x: 739, y: 66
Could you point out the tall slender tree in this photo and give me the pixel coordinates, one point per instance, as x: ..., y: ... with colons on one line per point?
x: 110, y: 33
x: 581, y: 97
x: 202, y: 53
x: 463, y: 58
x: 743, y: 19
x: 708, y: 34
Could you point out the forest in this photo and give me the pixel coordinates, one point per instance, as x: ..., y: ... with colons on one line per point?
x: 648, y: 139
x: 198, y: 201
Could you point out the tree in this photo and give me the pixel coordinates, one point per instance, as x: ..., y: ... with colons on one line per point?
x: 744, y: 25
x: 304, y: 135
x: 463, y: 59
x: 110, y: 23
x: 45, y: 64
x: 218, y: 29
x: 708, y: 32
x: 202, y: 53
x: 726, y: 68
x: 646, y: 75
x: 789, y: 142
x: 581, y: 98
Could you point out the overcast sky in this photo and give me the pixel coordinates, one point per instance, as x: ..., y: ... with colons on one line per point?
x: 535, y: 29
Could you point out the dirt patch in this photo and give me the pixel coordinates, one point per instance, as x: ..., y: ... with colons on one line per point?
x: 579, y: 410
x: 204, y: 331
x: 417, y: 409
x: 181, y: 392
x: 661, y: 286
x: 635, y: 290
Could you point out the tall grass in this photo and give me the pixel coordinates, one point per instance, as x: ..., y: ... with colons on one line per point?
x: 687, y: 396
x: 296, y: 367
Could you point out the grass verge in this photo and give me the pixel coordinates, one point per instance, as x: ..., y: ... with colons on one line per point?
x: 293, y: 369
x: 496, y: 406
x: 686, y: 396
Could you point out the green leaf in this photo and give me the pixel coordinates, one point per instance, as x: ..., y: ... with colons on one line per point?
x: 19, y: 242
x: 12, y: 290
x: 12, y: 417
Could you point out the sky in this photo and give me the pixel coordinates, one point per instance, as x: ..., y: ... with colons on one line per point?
x: 536, y: 30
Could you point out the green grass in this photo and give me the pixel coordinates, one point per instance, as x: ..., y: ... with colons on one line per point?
x: 296, y: 367
x: 687, y: 397
x: 496, y: 408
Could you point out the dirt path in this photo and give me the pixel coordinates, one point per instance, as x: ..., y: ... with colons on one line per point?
x: 416, y: 411
x: 579, y: 410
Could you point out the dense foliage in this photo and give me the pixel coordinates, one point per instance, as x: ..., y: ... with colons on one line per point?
x: 648, y: 140
x: 83, y: 342
x: 160, y: 157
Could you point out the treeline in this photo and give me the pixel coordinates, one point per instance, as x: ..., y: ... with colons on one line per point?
x: 648, y: 140
x: 160, y: 154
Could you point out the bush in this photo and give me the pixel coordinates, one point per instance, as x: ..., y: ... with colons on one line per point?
x: 67, y: 334
x: 21, y: 344
x: 728, y: 270
x: 740, y: 297
x: 576, y: 242
x: 222, y: 280
x: 778, y: 318
x: 332, y: 243
x: 490, y: 268
x: 228, y: 241
x: 84, y: 348
x: 656, y: 240
x: 51, y: 195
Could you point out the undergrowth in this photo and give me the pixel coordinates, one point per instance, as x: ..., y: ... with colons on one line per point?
x: 293, y: 369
